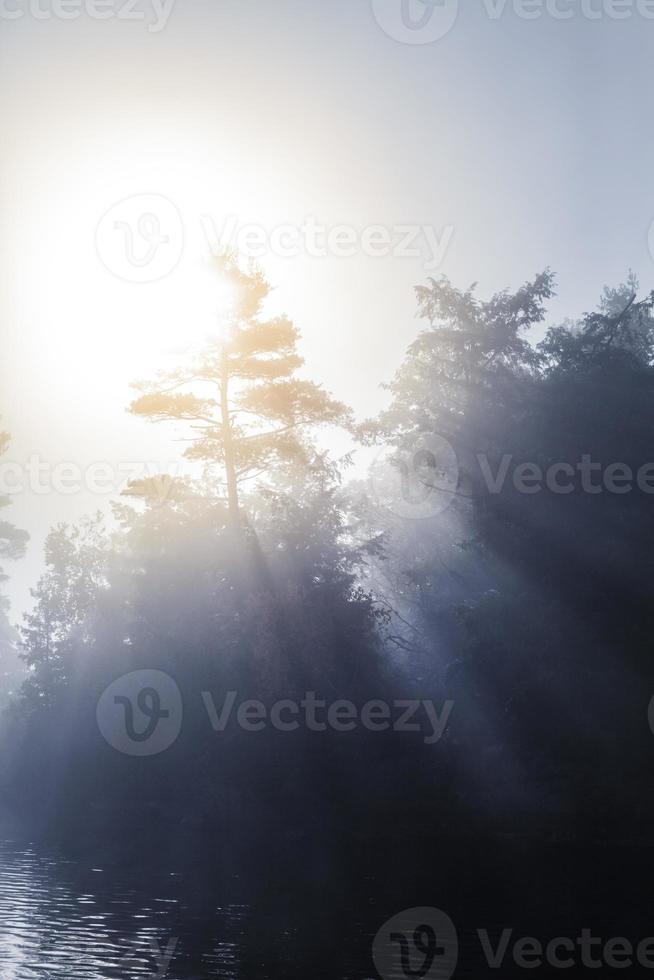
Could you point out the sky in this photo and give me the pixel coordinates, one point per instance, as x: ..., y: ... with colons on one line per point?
x: 334, y: 138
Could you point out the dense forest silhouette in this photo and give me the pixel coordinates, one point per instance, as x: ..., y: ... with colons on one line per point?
x: 526, y: 606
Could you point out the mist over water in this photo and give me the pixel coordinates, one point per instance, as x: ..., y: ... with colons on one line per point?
x: 326, y: 489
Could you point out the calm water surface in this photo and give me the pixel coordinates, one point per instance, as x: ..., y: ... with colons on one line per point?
x: 68, y: 919
x: 64, y: 918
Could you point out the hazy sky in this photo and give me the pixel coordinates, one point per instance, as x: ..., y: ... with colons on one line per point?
x: 518, y: 143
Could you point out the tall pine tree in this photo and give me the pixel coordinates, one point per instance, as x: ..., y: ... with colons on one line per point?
x: 248, y: 410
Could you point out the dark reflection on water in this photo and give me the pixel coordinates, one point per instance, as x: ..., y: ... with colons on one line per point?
x: 62, y: 919
x: 69, y: 918
x: 75, y: 920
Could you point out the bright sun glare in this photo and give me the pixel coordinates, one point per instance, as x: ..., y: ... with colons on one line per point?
x: 81, y: 310
x: 210, y: 300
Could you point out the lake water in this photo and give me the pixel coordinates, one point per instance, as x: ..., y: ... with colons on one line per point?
x: 74, y: 918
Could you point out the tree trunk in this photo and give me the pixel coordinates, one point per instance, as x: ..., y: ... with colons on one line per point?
x: 243, y: 531
x: 228, y: 446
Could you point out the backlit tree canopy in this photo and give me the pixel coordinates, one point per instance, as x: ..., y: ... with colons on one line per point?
x: 248, y: 410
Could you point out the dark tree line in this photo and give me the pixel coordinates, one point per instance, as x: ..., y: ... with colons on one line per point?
x: 526, y: 602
